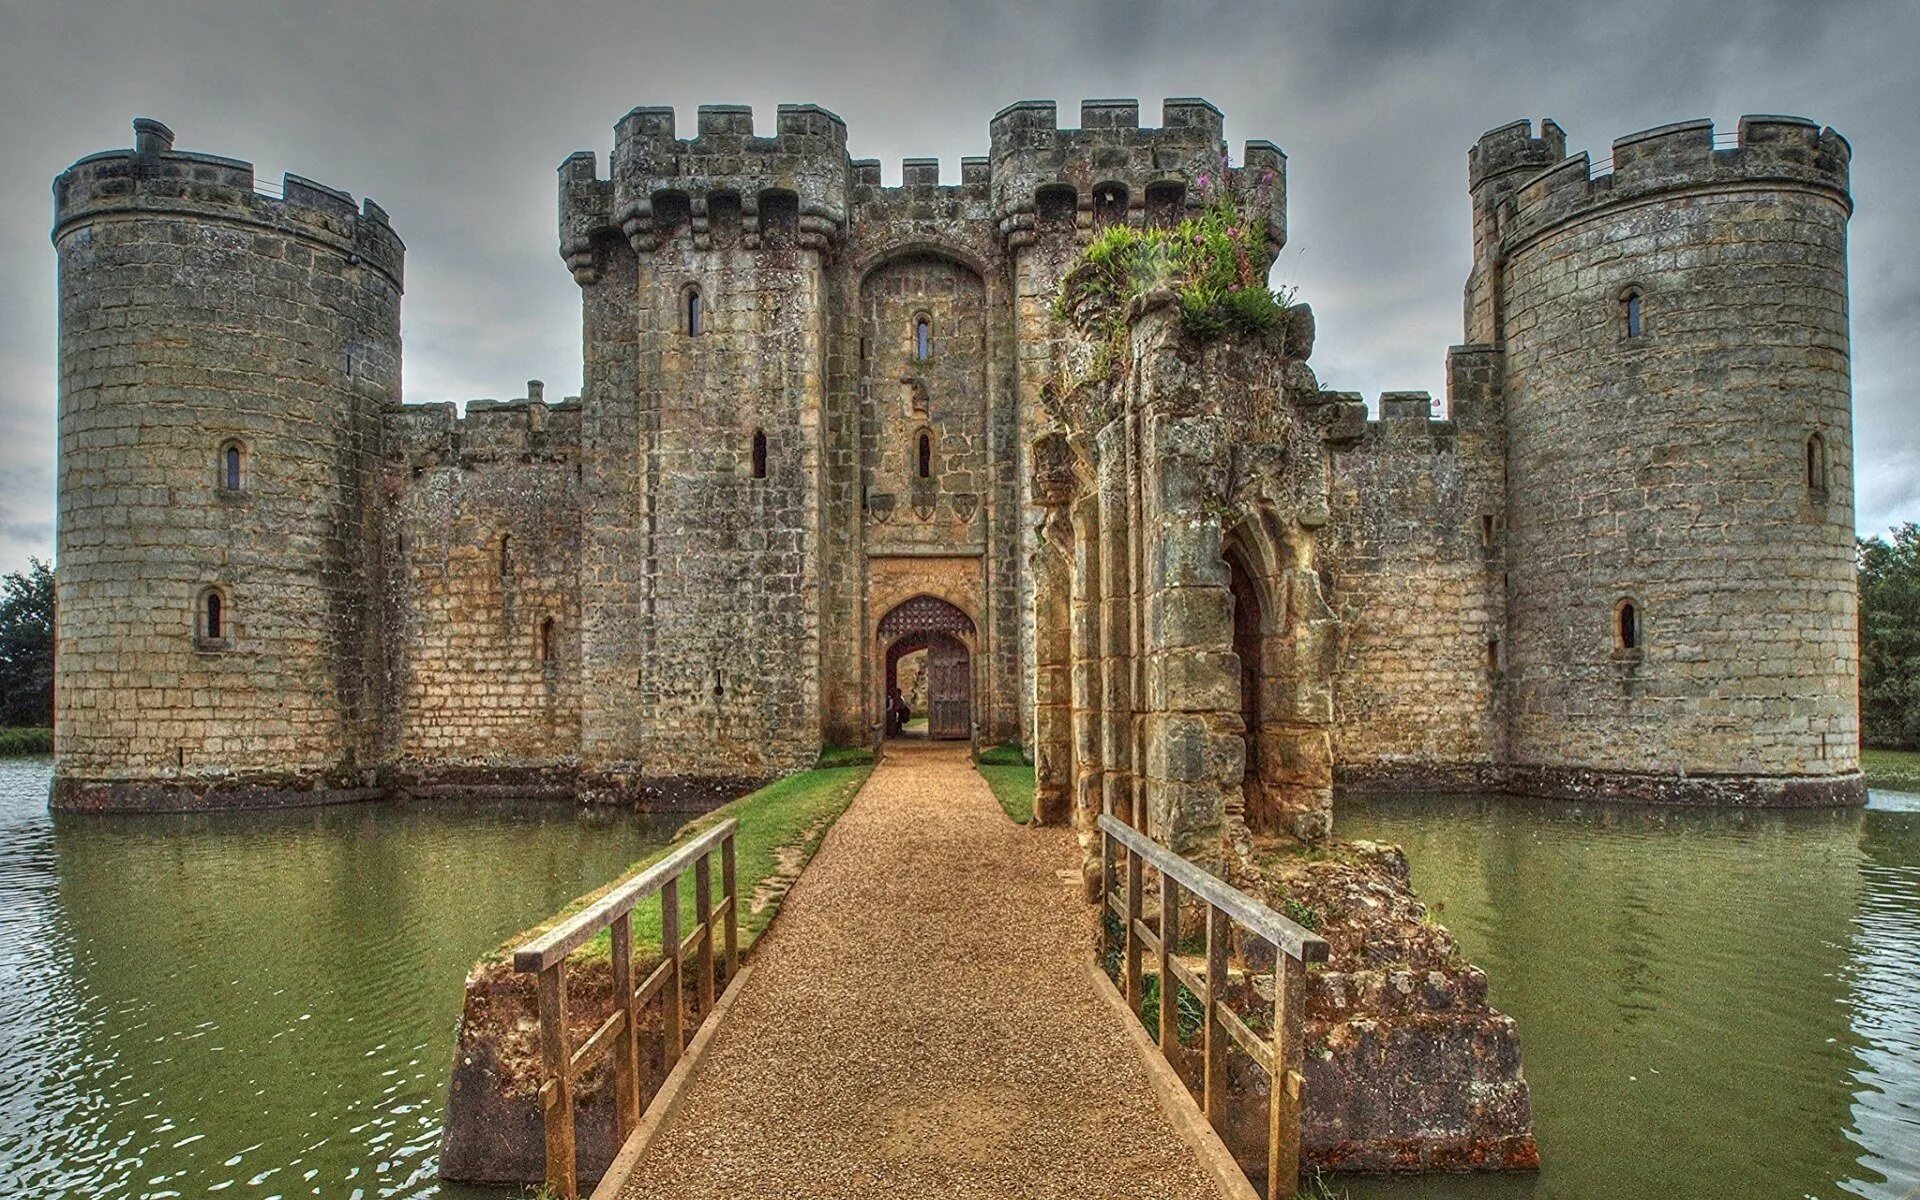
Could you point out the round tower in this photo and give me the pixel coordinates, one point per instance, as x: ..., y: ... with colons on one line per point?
x: 1680, y: 468
x: 224, y: 359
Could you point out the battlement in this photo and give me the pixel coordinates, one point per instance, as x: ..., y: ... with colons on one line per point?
x: 792, y: 185
x: 1111, y: 165
x: 524, y: 430
x: 1515, y: 148
x: 154, y: 178
x: 1683, y: 156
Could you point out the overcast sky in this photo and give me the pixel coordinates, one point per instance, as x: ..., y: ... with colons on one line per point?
x: 454, y: 116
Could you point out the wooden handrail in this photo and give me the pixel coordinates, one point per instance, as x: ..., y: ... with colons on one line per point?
x: 1294, y: 947
x: 562, y: 1064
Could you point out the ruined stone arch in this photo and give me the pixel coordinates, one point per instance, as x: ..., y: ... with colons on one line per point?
x: 893, y: 251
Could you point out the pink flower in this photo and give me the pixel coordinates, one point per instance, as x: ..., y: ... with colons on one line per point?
x: 1266, y: 177
x: 1204, y: 181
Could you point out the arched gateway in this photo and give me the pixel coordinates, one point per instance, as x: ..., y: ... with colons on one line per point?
x: 947, y: 635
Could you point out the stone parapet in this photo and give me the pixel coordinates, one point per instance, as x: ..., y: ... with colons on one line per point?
x: 154, y: 178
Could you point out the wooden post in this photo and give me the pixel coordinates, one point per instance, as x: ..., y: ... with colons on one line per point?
x: 1169, y: 986
x: 730, y: 890
x: 675, y: 1001
x: 1213, y: 1091
x: 1107, y: 944
x: 626, y: 1048
x: 1283, y: 1129
x: 1134, y: 949
x: 703, y: 911
x: 556, y: 1059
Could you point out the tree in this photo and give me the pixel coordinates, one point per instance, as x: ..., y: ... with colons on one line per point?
x: 26, y: 646
x: 1890, y: 638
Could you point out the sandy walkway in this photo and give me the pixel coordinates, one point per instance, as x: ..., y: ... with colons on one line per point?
x: 920, y: 1023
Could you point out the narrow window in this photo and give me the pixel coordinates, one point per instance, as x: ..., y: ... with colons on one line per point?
x: 1493, y: 654
x: 231, y: 462
x: 212, y: 617
x: 693, y: 312
x: 1486, y: 530
x: 759, y: 454
x: 546, y: 640
x: 506, y: 556
x: 1626, y: 625
x: 926, y: 457
x: 1816, y: 463
x: 1630, y: 303
x: 922, y: 339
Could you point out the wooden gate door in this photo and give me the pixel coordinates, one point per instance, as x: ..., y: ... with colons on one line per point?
x: 949, y: 689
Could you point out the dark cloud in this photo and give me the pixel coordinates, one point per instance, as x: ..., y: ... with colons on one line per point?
x: 454, y: 114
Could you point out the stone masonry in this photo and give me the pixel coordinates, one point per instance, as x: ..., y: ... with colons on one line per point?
x: 1616, y: 563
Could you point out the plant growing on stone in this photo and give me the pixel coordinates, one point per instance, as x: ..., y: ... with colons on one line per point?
x: 1215, y: 262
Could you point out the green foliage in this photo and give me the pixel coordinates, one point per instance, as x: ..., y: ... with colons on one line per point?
x: 1191, y: 1013
x: 1890, y: 638
x: 1215, y: 262
x: 18, y: 743
x: 26, y: 647
x: 1010, y: 776
x: 1305, y: 915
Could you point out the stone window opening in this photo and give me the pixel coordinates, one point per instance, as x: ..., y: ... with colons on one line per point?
x: 233, y: 466
x: 1109, y: 205
x: 1493, y: 654
x: 922, y: 338
x: 1486, y: 530
x: 925, y: 462
x: 692, y: 321
x: 1165, y: 204
x: 506, y: 557
x: 1816, y: 465
x: 213, y: 619
x: 1627, y: 628
x: 546, y: 640
x: 759, y: 454
x: 1632, y: 313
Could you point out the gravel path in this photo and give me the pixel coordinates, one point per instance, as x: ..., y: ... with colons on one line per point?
x: 920, y: 1023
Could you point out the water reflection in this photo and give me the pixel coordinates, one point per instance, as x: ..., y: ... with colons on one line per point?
x: 256, y: 1004
x: 1711, y: 1003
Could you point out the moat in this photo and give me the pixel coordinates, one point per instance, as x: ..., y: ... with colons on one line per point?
x: 1712, y: 1003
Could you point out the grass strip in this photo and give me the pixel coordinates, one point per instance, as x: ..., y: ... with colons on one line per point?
x: 1010, y: 776
x: 21, y: 741
x: 782, y: 824
x: 1895, y: 770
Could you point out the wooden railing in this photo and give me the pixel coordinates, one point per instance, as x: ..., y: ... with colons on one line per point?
x: 562, y: 1065
x: 1294, y: 947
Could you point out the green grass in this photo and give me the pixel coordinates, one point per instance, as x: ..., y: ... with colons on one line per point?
x: 845, y: 756
x: 18, y: 742
x: 1010, y: 775
x: 791, y: 814
x: 1896, y: 770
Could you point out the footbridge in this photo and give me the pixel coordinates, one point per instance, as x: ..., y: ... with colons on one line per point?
x: 929, y: 1016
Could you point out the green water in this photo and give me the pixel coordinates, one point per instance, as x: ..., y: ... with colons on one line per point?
x: 257, y: 1005
x: 1710, y: 1004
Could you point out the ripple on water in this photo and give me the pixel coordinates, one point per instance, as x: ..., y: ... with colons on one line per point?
x: 256, y: 1004
x: 1711, y: 1003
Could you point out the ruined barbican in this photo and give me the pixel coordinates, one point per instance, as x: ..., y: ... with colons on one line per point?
x: 826, y: 422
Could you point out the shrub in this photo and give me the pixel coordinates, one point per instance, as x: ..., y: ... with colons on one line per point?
x: 1215, y: 262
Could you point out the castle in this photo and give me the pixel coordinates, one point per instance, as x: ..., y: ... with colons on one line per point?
x: 821, y: 427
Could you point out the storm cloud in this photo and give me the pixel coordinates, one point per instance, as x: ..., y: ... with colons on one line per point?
x: 454, y: 114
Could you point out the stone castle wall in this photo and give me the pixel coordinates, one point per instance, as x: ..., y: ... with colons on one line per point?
x: 683, y: 575
x: 483, y: 550
x: 1667, y: 467
x: 198, y: 315
x: 1416, y: 557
